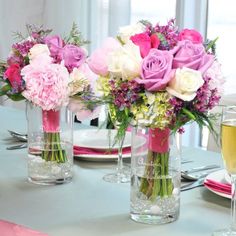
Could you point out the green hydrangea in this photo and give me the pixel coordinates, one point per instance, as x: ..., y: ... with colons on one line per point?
x: 154, y: 111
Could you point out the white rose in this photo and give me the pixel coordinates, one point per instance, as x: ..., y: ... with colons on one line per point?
x: 125, y: 62
x: 126, y: 32
x: 185, y: 84
x: 37, y: 50
x: 78, y: 81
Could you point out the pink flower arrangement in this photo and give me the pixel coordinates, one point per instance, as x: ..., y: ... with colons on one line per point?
x: 40, y: 67
x: 158, y: 76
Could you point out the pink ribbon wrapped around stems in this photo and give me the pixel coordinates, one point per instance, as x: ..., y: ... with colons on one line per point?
x: 51, y: 121
x: 159, y: 140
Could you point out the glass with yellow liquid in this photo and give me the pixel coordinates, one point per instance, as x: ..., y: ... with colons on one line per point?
x: 228, y: 151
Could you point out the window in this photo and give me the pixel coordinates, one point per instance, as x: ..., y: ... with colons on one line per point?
x: 154, y: 11
x: 222, y: 24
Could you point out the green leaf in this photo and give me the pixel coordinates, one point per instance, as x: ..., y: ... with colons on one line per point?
x: 189, y: 114
x: 16, y: 97
x: 211, y: 44
x: 5, y: 89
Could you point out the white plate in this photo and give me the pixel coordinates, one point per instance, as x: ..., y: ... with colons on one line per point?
x: 98, y: 139
x: 218, y: 176
x: 100, y: 158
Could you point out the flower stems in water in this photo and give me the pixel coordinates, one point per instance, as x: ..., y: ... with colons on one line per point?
x: 156, y: 181
x: 53, y: 150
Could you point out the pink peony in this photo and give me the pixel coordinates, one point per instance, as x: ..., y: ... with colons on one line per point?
x: 46, y: 84
x: 13, y: 75
x: 191, y: 35
x: 98, y: 61
x: 193, y: 56
x: 156, y: 70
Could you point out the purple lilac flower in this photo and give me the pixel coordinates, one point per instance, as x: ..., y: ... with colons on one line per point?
x: 206, y: 99
x: 124, y: 93
x: 168, y: 35
x: 23, y: 47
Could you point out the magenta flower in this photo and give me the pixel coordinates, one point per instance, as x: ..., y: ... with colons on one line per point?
x: 55, y: 45
x: 13, y: 75
x: 73, y: 56
x: 191, y: 35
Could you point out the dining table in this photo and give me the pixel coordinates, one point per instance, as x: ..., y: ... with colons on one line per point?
x: 90, y: 206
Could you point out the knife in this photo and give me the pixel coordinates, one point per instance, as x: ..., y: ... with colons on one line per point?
x: 192, y: 185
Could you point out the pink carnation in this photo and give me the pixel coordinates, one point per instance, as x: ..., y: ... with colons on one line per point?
x: 46, y: 84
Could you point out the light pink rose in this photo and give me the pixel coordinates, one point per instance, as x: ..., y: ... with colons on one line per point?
x: 193, y: 56
x: 156, y: 70
x: 98, y: 61
x: 192, y: 35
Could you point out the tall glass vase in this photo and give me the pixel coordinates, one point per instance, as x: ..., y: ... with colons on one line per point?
x: 50, y: 145
x: 155, y: 176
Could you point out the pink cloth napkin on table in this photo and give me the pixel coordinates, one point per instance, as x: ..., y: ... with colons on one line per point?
x: 11, y: 229
x: 90, y: 151
x: 218, y: 187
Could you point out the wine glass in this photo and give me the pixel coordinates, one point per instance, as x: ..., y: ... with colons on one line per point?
x: 228, y: 152
x: 122, y: 173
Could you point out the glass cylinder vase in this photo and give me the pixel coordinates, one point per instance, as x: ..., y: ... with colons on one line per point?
x: 50, y: 145
x: 155, y: 175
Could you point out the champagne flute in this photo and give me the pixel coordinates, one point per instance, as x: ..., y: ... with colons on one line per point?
x: 122, y: 173
x: 228, y: 152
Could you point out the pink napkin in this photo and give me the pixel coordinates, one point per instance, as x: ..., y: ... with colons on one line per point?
x: 82, y: 150
x: 218, y: 187
x: 11, y: 229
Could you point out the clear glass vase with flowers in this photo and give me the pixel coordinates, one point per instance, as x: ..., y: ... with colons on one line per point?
x: 41, y: 69
x: 157, y: 78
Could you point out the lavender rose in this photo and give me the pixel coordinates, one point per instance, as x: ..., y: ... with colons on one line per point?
x: 55, y: 45
x: 190, y: 55
x: 73, y: 56
x: 156, y: 70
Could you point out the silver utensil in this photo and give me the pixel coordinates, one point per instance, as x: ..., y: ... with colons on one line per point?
x: 20, y: 146
x: 194, y: 177
x: 192, y: 185
x: 200, y: 168
x: 16, y: 133
x: 18, y: 136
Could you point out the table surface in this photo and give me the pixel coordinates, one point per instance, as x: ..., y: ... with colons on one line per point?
x: 90, y: 206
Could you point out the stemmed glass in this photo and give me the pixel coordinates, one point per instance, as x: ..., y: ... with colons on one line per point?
x: 122, y: 173
x: 228, y: 151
